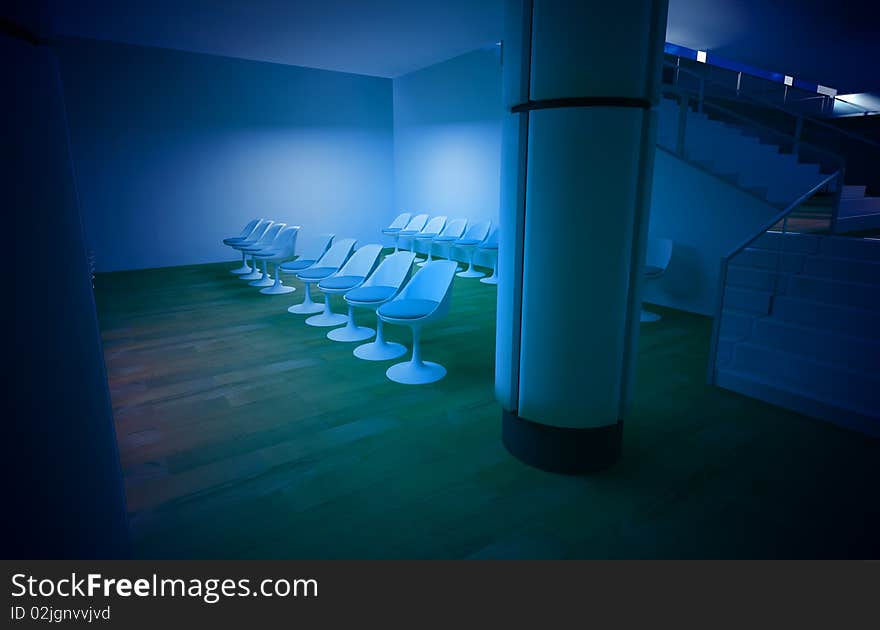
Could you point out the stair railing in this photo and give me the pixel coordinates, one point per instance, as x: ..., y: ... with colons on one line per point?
x: 793, y: 140
x: 740, y: 93
x: 782, y: 217
x: 823, y: 140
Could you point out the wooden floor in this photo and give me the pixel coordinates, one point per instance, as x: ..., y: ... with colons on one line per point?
x: 245, y: 433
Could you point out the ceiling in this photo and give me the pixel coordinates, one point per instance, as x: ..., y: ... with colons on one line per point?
x: 831, y: 43
x: 384, y: 38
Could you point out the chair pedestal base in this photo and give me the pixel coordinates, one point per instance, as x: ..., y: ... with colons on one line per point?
x: 416, y: 372
x: 493, y: 279
x: 243, y: 269
x: 326, y: 318
x: 262, y: 282
x: 379, y: 351
x: 648, y: 316
x: 470, y: 272
x: 277, y: 289
x: 351, y: 333
x: 306, y: 309
x: 307, y: 306
x: 253, y: 275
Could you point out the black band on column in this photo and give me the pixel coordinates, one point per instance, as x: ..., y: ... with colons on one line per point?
x: 14, y: 30
x: 560, y: 449
x: 583, y: 101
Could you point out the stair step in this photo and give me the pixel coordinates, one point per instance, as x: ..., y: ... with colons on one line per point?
x: 843, y: 386
x: 804, y: 402
x: 766, y: 259
x: 751, y: 278
x: 736, y: 324
x: 863, y: 205
x: 795, y: 243
x: 747, y: 300
x: 816, y: 343
x: 852, y: 192
x: 842, y: 269
x: 854, y: 294
x: 855, y: 248
x: 724, y: 353
x: 853, y: 321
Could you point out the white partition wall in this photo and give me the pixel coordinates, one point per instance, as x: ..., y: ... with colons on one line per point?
x: 579, y: 83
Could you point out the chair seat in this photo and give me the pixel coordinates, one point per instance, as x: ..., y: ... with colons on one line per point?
x: 370, y: 294
x: 243, y: 244
x: 297, y: 265
x: 426, y: 235
x: 445, y: 238
x: 341, y: 282
x: 408, y: 309
x: 408, y: 232
x: 316, y: 273
x: 652, y: 271
x: 489, y: 246
x: 467, y: 241
x: 390, y: 230
x: 234, y: 240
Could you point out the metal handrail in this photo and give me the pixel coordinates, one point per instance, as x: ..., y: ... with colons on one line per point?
x: 739, y: 94
x: 782, y: 215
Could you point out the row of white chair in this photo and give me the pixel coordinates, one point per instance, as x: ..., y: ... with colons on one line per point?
x: 438, y: 233
x: 339, y: 269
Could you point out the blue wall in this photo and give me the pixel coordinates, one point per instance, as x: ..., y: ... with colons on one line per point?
x: 174, y: 151
x: 447, y: 137
x: 706, y: 218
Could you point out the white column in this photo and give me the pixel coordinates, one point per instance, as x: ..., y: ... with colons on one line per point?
x: 580, y: 81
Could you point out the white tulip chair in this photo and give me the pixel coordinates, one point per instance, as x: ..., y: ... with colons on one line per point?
x: 425, y: 298
x: 475, y: 235
x: 382, y: 285
x: 307, y: 251
x: 351, y: 275
x: 452, y: 232
x: 325, y: 266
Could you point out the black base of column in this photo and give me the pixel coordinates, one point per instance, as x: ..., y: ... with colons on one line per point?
x: 560, y: 449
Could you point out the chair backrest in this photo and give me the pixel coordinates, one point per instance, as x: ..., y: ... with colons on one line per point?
x: 269, y: 235
x: 362, y: 261
x: 492, y: 239
x: 393, y: 271
x: 401, y: 220
x: 285, y: 243
x: 478, y: 231
x: 431, y: 282
x: 455, y: 228
x: 435, y: 225
x: 261, y: 228
x: 659, y: 253
x: 249, y: 228
x: 417, y: 222
x: 338, y: 253
x: 313, y: 246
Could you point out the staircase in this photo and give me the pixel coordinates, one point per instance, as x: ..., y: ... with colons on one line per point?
x: 800, y: 327
x: 798, y: 322
x: 736, y: 154
x: 858, y: 212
